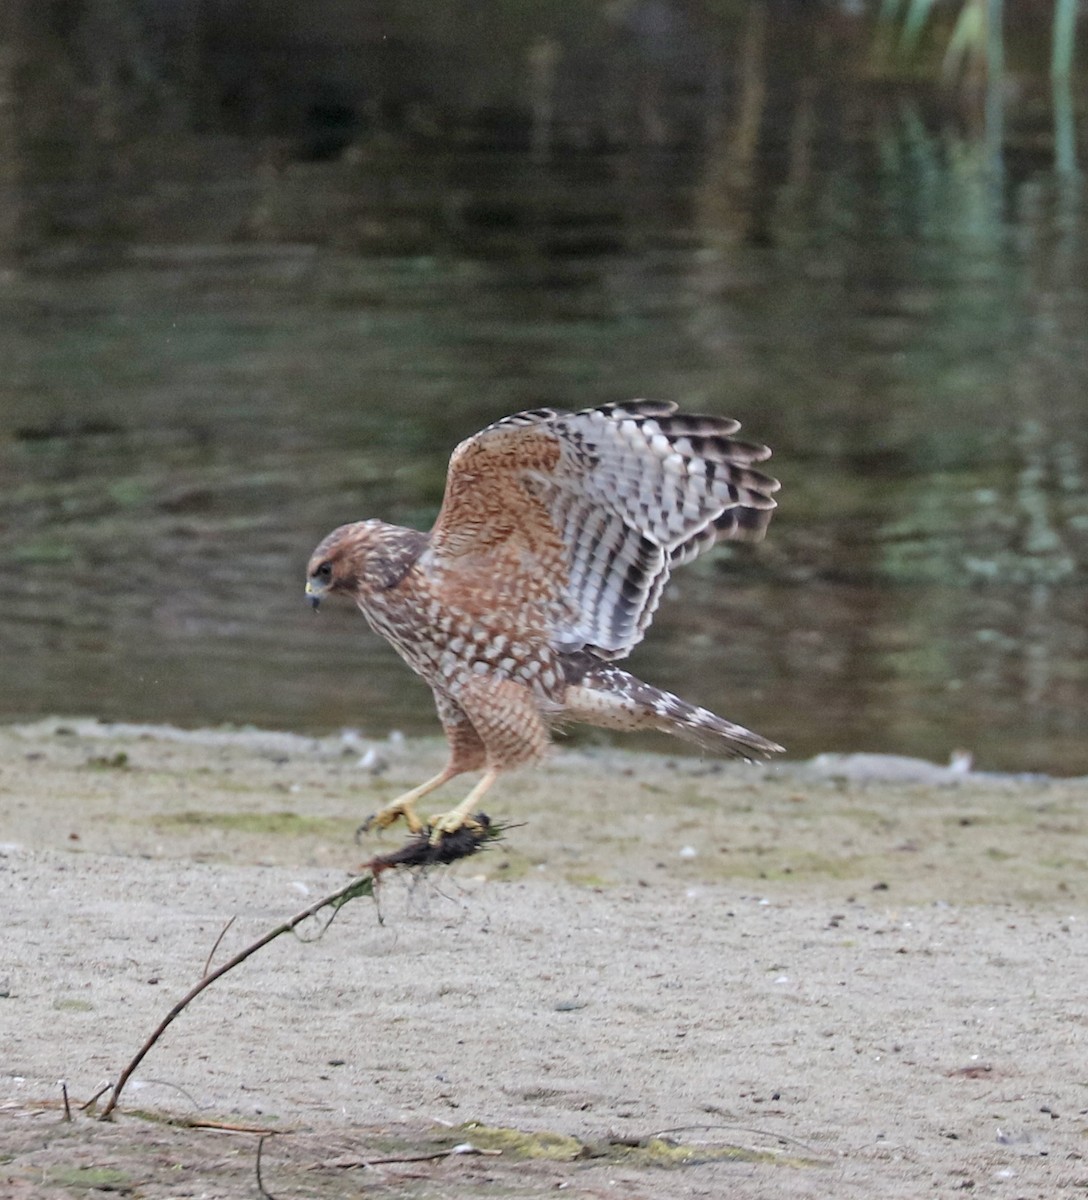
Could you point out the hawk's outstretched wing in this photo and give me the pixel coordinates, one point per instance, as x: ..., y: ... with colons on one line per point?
x: 582, y: 515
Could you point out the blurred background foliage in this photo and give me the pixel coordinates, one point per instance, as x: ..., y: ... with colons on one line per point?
x: 263, y: 262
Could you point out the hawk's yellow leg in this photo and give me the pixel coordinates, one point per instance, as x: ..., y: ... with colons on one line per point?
x: 450, y: 822
x: 404, y: 806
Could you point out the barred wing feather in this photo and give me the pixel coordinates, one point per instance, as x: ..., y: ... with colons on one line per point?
x: 631, y: 490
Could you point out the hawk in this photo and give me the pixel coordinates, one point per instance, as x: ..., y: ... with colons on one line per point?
x: 557, y: 533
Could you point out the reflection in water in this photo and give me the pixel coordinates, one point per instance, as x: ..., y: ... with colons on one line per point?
x: 906, y: 329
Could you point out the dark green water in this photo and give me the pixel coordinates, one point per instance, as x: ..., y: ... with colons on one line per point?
x: 180, y: 422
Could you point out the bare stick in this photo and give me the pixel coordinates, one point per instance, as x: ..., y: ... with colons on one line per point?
x: 769, y: 1133
x: 260, y: 1185
x: 222, y: 935
x: 361, y: 885
x: 67, y: 1106
x: 419, y: 852
x: 463, y: 1148
x: 89, y: 1104
x: 227, y: 1127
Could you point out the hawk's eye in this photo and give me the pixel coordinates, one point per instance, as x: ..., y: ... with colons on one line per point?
x: 324, y: 572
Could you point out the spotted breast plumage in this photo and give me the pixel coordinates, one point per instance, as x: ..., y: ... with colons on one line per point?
x: 557, y: 533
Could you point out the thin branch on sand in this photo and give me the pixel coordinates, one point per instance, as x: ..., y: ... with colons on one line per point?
x: 355, y: 1164
x: 87, y: 1105
x: 218, y: 942
x: 417, y: 852
x: 260, y: 1183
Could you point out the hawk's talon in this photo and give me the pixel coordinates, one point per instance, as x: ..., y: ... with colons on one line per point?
x: 389, y: 815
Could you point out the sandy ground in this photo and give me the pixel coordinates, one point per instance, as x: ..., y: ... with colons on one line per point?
x: 861, y: 978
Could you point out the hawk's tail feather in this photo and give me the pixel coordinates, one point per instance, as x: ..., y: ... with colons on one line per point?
x: 609, y: 697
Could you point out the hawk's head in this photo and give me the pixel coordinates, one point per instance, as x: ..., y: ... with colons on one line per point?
x: 362, y: 558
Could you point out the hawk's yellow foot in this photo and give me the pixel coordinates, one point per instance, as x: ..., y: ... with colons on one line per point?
x: 392, y: 813
x: 404, y: 806
x: 446, y: 823
x: 461, y: 816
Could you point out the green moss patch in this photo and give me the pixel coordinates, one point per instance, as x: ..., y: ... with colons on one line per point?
x: 288, y: 824
x: 652, y: 1151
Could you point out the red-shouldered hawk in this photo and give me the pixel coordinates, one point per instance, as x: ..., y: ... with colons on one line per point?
x: 557, y: 534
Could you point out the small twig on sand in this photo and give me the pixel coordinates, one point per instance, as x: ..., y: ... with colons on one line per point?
x: 417, y: 853
x: 260, y: 1185
x: 355, y: 1164
x: 89, y: 1104
x: 64, y: 1094
x: 768, y: 1133
x: 218, y: 940
x: 229, y: 1127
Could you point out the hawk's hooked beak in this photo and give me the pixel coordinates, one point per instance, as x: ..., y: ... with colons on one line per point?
x: 315, y: 594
